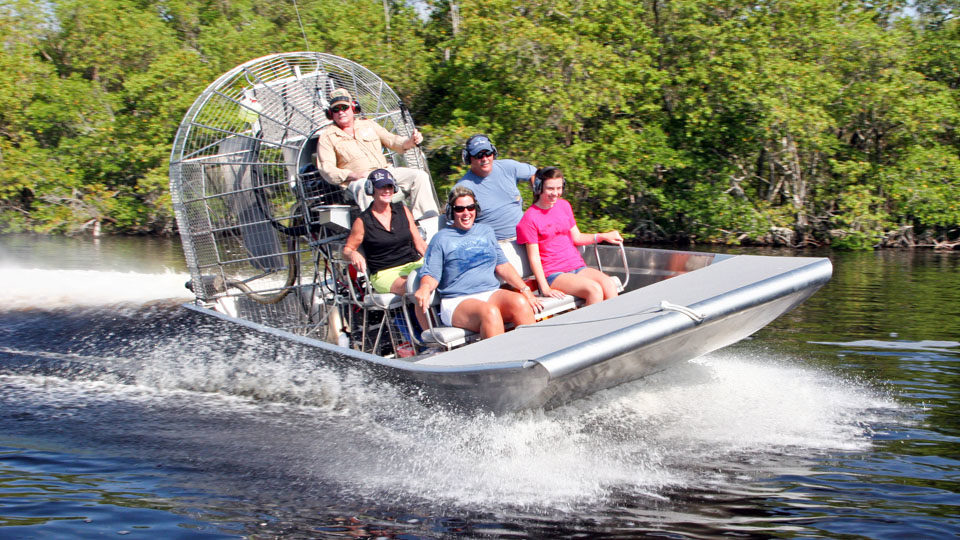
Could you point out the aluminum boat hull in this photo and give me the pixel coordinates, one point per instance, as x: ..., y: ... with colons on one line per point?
x: 724, y: 299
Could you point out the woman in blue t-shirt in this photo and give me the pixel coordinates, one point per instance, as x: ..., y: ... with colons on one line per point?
x: 462, y: 263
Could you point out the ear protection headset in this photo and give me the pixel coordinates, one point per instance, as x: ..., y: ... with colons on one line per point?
x: 542, y: 175
x: 465, y: 156
x: 356, y: 109
x: 449, y: 210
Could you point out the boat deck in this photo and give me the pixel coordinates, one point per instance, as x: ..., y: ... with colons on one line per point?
x: 574, y: 328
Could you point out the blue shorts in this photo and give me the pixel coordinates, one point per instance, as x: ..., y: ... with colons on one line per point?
x: 554, y: 275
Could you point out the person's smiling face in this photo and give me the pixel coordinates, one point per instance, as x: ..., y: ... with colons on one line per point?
x: 551, y: 191
x: 482, y: 163
x: 464, y: 212
x: 384, y: 193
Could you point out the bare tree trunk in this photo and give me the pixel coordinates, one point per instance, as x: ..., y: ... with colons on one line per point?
x: 454, y: 27
x: 386, y: 17
x: 798, y: 180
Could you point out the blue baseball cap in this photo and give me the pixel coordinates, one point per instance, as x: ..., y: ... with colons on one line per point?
x: 382, y: 178
x: 478, y: 144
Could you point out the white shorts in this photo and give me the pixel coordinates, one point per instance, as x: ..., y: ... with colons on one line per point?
x: 449, y: 305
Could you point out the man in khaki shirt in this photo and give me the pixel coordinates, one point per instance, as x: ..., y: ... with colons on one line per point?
x: 350, y: 148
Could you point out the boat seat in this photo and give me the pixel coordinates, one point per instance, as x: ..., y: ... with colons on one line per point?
x: 451, y: 336
x: 394, y: 321
x: 447, y: 337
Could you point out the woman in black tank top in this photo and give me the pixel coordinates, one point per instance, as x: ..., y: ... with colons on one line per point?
x: 389, y: 236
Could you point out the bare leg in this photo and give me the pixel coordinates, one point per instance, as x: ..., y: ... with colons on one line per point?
x: 478, y: 316
x: 606, y: 282
x: 513, y: 307
x: 590, y: 284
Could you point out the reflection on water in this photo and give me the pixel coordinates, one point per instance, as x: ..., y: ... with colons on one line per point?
x: 840, y: 418
x: 72, y: 495
x: 117, y: 253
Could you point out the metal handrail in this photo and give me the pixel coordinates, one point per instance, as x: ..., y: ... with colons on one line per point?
x: 623, y: 257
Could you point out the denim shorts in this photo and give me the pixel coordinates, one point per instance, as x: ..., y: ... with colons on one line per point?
x: 554, y: 275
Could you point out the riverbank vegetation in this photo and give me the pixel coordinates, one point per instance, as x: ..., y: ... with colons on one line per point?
x: 803, y: 122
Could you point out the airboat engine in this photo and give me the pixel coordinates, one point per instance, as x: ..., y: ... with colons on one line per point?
x: 260, y: 226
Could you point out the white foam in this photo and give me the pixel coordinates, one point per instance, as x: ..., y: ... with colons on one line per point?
x: 691, y: 427
x: 707, y: 422
x: 704, y: 425
x: 50, y: 289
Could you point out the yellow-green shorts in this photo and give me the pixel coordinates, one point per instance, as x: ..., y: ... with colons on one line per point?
x: 383, y: 280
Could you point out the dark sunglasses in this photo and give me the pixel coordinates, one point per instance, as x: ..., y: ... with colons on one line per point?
x: 339, y: 108
x: 482, y: 154
x: 470, y: 207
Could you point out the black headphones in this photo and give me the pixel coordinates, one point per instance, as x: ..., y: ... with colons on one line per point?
x: 356, y: 109
x: 465, y: 156
x: 449, y: 209
x: 543, y: 174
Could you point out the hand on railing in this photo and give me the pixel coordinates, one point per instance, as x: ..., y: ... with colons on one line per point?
x: 358, y: 261
x: 612, y: 237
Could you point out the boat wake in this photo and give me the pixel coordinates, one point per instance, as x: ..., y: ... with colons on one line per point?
x: 199, y: 393
x: 39, y: 288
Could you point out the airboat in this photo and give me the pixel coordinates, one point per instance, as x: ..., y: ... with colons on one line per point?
x: 262, y: 234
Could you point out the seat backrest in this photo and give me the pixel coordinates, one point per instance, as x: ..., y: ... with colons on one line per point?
x: 413, y: 283
x: 433, y: 314
x: 429, y: 223
x: 517, y: 255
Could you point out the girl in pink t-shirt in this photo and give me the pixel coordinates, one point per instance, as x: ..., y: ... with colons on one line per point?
x: 550, y: 233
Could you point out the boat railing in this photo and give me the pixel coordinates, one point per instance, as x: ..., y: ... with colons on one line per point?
x: 621, y: 285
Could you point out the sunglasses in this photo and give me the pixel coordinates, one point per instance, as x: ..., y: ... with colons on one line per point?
x: 482, y: 154
x: 339, y: 108
x: 470, y: 207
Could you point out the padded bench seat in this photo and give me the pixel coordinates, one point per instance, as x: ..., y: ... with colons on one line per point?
x: 451, y: 336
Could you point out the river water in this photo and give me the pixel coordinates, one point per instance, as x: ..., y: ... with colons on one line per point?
x: 121, y: 413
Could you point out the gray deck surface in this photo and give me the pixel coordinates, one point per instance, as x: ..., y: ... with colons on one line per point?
x: 534, y: 341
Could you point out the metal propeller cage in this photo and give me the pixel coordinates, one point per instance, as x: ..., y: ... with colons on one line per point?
x: 256, y: 220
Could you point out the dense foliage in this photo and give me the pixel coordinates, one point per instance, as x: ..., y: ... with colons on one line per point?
x: 794, y: 122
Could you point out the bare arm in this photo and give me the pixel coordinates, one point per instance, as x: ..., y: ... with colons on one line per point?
x: 536, y: 265
x: 584, y: 239
x: 353, y: 243
x: 418, y: 242
x: 424, y: 293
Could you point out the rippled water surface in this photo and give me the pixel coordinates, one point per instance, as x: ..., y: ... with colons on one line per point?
x: 122, y: 413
